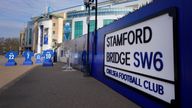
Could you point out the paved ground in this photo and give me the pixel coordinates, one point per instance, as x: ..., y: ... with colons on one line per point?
x: 3, y: 60
x: 52, y: 88
x: 10, y: 74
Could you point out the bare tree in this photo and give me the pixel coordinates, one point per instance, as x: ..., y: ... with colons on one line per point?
x: 7, y: 44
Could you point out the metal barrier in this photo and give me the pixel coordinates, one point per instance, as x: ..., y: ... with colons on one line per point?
x: 146, y: 55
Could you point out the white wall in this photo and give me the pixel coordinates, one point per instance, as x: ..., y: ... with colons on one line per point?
x: 80, y: 7
x: 60, y: 31
x: 46, y: 24
x: 144, y: 2
x: 39, y: 40
x: 131, y: 5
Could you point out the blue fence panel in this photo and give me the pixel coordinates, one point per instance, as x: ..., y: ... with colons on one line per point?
x: 183, y: 52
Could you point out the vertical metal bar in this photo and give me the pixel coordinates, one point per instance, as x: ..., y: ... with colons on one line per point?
x: 95, y: 46
x: 88, y: 27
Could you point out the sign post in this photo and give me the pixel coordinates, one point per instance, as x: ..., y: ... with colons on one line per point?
x: 11, y: 55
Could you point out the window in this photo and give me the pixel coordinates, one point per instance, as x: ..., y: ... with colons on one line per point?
x: 62, y: 53
x: 30, y: 36
x: 78, y: 28
x: 92, y: 25
x: 107, y: 21
x: 45, y: 37
x: 54, y: 24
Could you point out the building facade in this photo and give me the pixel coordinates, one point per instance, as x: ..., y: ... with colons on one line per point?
x: 144, y: 2
x: 51, y: 29
x: 108, y: 11
x: 29, y: 35
x: 21, y: 42
x: 75, y: 25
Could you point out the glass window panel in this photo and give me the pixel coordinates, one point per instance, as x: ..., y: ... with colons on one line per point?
x: 78, y: 29
x: 92, y: 25
x: 107, y: 21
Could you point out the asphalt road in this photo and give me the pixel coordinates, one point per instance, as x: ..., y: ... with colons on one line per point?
x: 47, y: 87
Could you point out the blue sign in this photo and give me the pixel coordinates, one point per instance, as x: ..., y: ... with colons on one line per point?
x: 38, y: 58
x: 28, y: 55
x: 48, y: 55
x: 11, y: 55
x: 41, y: 34
x: 67, y: 29
x: 46, y: 39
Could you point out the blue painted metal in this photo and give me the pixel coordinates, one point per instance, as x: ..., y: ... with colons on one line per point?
x: 38, y: 59
x: 48, y: 56
x: 184, y: 52
x: 28, y: 55
x: 11, y: 55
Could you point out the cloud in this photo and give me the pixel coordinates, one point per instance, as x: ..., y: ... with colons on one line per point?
x: 14, y: 14
x: 10, y: 28
x: 11, y: 24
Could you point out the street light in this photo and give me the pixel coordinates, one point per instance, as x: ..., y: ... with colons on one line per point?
x: 88, y: 4
x: 95, y: 38
x: 94, y: 7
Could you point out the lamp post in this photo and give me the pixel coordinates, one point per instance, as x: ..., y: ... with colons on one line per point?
x: 95, y: 38
x: 88, y: 4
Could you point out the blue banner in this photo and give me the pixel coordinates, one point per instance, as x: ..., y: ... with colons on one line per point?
x: 67, y: 31
x: 45, y: 39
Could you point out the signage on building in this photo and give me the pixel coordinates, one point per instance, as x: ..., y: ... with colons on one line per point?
x: 67, y: 30
x: 46, y: 39
x: 142, y: 56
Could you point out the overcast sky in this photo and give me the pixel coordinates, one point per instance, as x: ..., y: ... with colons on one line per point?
x: 14, y: 14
